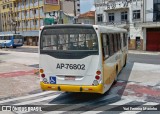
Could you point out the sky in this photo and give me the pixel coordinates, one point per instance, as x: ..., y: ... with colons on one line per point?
x: 86, y: 5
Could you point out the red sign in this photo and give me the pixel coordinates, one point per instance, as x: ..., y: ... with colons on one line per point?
x: 52, y: 2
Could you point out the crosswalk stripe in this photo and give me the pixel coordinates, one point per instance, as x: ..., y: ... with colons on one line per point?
x: 25, y: 97
x: 37, y: 100
x: 135, y: 112
x: 122, y: 102
x: 76, y: 106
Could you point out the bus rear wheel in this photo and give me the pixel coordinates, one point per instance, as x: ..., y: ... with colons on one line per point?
x: 125, y: 63
x: 115, y: 80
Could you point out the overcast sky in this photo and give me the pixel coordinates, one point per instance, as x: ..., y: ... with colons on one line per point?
x: 86, y: 5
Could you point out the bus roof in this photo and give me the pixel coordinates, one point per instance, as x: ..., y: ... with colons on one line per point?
x: 109, y: 29
x: 101, y: 28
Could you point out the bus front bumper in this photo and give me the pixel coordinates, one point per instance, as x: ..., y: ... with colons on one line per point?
x: 72, y: 88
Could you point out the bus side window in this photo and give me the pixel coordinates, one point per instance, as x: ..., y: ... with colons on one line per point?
x: 111, y: 45
x: 124, y: 40
x: 105, y: 45
x: 118, y: 41
x: 115, y: 43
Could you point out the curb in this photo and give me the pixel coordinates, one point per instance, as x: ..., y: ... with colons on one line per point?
x: 143, y: 52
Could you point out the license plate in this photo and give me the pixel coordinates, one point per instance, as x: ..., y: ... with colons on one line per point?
x: 69, y: 78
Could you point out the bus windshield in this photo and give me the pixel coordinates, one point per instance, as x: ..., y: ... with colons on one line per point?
x: 69, y: 39
x: 18, y: 39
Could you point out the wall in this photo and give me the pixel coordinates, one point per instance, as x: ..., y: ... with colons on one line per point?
x: 148, y: 10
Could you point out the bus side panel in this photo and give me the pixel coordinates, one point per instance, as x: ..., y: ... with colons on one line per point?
x: 109, y: 72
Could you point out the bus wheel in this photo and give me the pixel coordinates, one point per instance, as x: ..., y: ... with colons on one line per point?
x: 115, y: 80
x: 14, y: 46
x: 125, y: 62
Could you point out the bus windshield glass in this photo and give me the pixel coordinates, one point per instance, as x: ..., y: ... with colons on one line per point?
x: 69, y: 39
x: 18, y: 39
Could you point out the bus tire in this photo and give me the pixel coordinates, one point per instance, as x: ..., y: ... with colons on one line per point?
x: 14, y: 46
x: 125, y: 62
x: 115, y: 80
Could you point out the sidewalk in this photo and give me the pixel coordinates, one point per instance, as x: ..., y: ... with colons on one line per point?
x: 26, y: 46
x: 143, y: 52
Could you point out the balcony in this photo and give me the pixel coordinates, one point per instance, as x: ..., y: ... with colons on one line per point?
x: 123, y: 24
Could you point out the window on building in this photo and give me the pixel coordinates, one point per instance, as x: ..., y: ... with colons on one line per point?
x: 34, y: 11
x: 25, y: 13
x: 99, y: 17
x: 17, y: 14
x: 78, y: 10
x: 136, y: 14
x: 26, y: 2
x: 124, y: 16
x: 111, y: 17
x: 4, y: 6
x: 26, y: 22
x: 156, y: 10
x: 18, y: 23
x: 7, y: 5
x: 15, y: 5
x: 35, y: 21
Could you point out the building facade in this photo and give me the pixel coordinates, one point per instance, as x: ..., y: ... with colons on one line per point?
x: 0, y: 18
x: 71, y: 7
x: 27, y: 16
x: 140, y: 17
x: 87, y: 18
x: 24, y: 17
x: 151, y: 25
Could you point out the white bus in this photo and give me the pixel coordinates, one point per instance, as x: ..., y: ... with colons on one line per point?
x: 81, y: 58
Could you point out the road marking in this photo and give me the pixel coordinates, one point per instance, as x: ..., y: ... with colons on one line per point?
x: 37, y: 100
x: 76, y: 106
x: 25, y: 97
x: 122, y: 102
